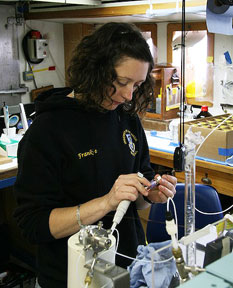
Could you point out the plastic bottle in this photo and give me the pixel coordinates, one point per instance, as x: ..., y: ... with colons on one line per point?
x: 204, y: 112
x: 158, y: 104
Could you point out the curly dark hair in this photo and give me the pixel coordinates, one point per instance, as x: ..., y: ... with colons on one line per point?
x: 92, y: 68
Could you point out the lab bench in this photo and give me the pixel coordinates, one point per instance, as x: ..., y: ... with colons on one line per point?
x: 7, y: 178
x: 219, y: 176
x: 8, y: 172
x: 208, y: 171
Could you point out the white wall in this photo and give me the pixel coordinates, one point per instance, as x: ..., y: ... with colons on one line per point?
x: 54, y: 33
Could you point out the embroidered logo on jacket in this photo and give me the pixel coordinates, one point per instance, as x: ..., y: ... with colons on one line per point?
x: 130, y: 138
x: 91, y: 152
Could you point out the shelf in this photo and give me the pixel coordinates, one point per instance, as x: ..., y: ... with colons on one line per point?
x: 132, y: 11
x: 168, y: 90
x: 14, y: 91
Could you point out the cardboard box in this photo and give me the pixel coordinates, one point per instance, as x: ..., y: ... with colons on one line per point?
x: 219, y: 145
x: 11, y: 148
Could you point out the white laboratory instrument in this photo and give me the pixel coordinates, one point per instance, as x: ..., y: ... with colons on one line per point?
x: 91, y: 260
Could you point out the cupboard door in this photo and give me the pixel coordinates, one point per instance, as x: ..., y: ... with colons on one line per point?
x: 73, y: 33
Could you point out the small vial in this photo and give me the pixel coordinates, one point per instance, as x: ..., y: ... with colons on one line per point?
x: 154, y: 183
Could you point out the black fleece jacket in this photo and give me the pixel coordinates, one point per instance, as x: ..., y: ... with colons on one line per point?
x: 67, y: 157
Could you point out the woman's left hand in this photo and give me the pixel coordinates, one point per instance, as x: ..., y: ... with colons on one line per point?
x: 165, y: 189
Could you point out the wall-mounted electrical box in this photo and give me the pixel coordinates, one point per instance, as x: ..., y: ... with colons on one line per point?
x: 37, y: 48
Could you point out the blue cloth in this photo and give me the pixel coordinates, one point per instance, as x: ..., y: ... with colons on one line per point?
x: 141, y: 273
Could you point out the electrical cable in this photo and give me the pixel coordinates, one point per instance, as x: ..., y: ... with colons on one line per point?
x: 179, y: 153
x: 205, y: 213
x: 135, y: 259
x: 58, y: 70
x: 183, y: 66
x: 176, y: 219
x: 157, y: 251
x: 132, y: 258
x: 145, y: 261
x: 26, y: 54
x: 214, y: 213
x: 211, y: 132
x: 33, y: 78
x: 118, y: 237
x: 182, y: 98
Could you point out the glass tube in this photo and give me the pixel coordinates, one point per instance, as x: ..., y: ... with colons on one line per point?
x: 189, y: 206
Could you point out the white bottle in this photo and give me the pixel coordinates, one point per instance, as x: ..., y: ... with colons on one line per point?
x: 158, y: 104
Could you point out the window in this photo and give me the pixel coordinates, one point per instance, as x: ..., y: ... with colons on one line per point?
x: 149, y: 32
x: 198, y: 60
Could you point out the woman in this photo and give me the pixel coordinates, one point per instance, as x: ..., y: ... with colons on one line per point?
x: 80, y: 157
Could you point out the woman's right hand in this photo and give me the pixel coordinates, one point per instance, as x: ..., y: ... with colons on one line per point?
x: 126, y: 187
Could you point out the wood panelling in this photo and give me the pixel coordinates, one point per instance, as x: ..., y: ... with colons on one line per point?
x: 73, y: 33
